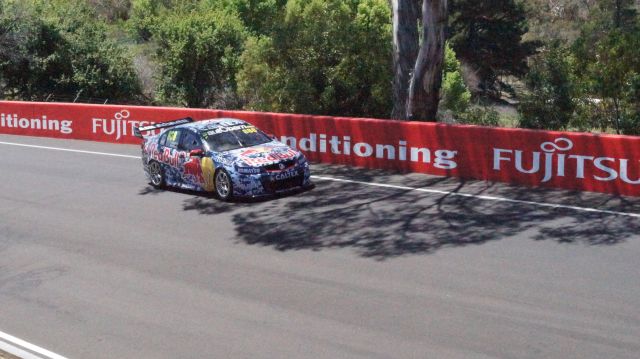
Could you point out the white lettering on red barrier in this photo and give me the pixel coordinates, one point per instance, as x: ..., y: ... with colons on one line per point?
x: 119, y: 125
x: 614, y: 168
x: 575, y: 161
x: 39, y: 123
x: 444, y: 159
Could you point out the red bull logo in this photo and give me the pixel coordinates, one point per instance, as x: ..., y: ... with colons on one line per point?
x: 260, y: 156
x: 194, y: 168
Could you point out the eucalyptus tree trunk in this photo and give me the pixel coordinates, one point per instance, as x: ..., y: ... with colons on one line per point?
x: 405, y: 51
x: 424, y: 89
x: 418, y: 65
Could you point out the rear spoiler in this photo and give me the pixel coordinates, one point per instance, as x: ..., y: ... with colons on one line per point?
x: 138, y: 130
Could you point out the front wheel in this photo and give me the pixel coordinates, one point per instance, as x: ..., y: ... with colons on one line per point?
x: 224, y: 186
x: 156, y: 173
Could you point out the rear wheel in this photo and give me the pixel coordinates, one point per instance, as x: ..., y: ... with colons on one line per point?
x: 224, y: 186
x: 156, y: 173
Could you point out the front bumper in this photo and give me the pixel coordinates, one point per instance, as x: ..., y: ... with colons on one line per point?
x: 271, y: 183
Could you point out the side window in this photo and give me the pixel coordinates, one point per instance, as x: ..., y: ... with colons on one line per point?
x: 173, y: 138
x: 163, y: 139
x: 189, y: 141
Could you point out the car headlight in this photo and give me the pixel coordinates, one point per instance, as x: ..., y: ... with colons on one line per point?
x: 301, y: 159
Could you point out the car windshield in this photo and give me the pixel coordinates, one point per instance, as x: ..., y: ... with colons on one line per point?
x: 234, y: 137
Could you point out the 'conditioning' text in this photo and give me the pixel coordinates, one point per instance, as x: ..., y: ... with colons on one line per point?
x: 443, y: 159
x: 43, y: 124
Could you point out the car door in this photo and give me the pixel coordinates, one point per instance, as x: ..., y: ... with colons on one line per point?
x: 168, y: 150
x: 192, y: 175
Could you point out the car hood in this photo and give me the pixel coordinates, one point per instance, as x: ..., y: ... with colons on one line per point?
x: 262, y: 155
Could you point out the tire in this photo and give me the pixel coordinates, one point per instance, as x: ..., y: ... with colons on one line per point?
x: 156, y: 173
x: 224, y: 185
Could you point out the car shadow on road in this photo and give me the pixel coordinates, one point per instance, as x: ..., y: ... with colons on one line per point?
x: 383, y: 223
x: 209, y: 204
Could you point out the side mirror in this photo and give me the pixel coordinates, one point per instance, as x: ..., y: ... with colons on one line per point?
x: 196, y: 153
x: 272, y: 136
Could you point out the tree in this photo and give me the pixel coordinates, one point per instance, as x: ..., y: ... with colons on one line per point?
x: 549, y: 104
x: 111, y: 10
x: 260, y: 17
x: 417, y: 93
x: 55, y: 48
x: 198, y: 53
x: 608, y: 59
x: 144, y: 14
x: 455, y: 94
x: 406, y: 14
x: 100, y: 66
x: 624, y: 13
x: 487, y: 36
x: 326, y: 57
x: 557, y: 20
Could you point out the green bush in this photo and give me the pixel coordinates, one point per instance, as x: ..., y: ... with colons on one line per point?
x: 199, y: 54
x: 607, y: 56
x: 327, y: 57
x: 631, y: 121
x: 455, y: 94
x: 549, y: 103
x: 481, y: 116
x: 144, y: 15
x: 260, y: 17
x: 57, y: 48
x: 111, y: 10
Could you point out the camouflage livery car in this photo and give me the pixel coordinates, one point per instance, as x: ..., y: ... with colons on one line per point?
x: 228, y: 157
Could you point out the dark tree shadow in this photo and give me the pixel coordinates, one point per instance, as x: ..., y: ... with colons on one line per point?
x: 383, y: 223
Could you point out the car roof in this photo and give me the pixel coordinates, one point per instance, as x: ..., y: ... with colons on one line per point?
x: 213, y: 124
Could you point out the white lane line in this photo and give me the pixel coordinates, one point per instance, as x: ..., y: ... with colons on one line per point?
x: 382, y: 185
x: 23, y: 349
x: 486, y: 198
x: 68, y: 150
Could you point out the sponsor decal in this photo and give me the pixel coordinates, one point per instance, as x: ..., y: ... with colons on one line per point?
x: 193, y: 170
x: 39, y: 123
x: 118, y: 126
x: 245, y: 128
x: 342, y: 145
x: 249, y: 170
x: 169, y: 156
x: 285, y: 175
x: 260, y: 156
x: 554, y: 160
x: 155, y: 126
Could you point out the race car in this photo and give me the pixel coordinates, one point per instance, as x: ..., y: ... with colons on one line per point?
x: 225, y: 156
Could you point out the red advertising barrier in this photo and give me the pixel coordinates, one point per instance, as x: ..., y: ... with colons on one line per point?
x: 579, y: 161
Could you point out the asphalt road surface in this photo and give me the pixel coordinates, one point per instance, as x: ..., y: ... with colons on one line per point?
x: 94, y: 263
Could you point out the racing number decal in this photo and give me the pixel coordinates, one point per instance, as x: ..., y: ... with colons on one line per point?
x: 172, y: 136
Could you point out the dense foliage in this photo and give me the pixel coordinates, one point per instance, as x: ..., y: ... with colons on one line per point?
x: 456, y: 95
x: 55, y: 48
x: 591, y: 82
x: 327, y: 57
x: 198, y: 55
x: 550, y: 103
x: 566, y: 64
x: 487, y: 35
